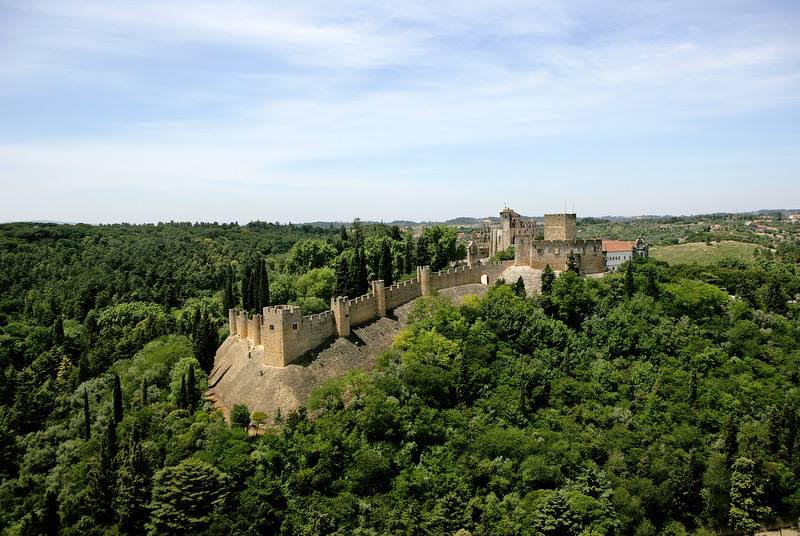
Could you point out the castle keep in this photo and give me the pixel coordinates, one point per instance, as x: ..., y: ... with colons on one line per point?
x: 283, y: 334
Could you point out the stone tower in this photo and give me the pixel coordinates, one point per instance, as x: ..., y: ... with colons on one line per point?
x: 560, y: 227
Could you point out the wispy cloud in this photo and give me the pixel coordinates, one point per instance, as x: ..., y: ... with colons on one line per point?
x: 237, y: 96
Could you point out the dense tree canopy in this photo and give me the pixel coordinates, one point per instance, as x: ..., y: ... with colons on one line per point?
x: 658, y: 400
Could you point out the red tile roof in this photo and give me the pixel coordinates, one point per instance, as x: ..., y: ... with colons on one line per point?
x: 617, y: 245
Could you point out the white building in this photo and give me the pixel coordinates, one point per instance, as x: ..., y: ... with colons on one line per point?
x: 616, y: 252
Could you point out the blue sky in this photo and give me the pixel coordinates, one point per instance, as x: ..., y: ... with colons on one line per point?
x: 300, y: 111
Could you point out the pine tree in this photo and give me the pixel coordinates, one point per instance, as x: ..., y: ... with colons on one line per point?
x: 548, y: 278
x: 630, y: 284
x: 386, y: 269
x: 191, y: 390
x: 118, y: 409
x: 87, y: 418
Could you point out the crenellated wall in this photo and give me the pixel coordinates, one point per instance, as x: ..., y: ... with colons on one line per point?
x: 286, y: 334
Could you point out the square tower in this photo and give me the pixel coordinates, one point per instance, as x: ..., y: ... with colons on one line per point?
x: 560, y: 227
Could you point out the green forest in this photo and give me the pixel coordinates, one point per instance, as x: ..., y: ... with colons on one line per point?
x: 659, y: 400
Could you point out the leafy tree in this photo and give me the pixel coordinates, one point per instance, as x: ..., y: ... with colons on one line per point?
x: 746, y: 508
x: 309, y: 254
x: 133, y: 488
x: 185, y: 496
x: 240, y: 416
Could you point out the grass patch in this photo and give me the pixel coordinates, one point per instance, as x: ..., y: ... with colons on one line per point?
x: 703, y: 253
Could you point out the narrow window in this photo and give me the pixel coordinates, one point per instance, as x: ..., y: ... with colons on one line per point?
x: 272, y: 327
x: 294, y: 326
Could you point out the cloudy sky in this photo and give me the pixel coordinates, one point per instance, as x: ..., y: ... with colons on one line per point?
x: 298, y: 111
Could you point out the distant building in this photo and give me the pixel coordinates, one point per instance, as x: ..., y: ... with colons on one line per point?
x: 616, y: 252
x: 794, y: 218
x: 491, y: 239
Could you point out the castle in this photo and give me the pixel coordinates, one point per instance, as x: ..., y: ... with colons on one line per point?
x: 282, y: 333
x: 559, y: 243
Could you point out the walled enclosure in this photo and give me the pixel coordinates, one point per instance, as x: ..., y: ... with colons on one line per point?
x: 285, y: 334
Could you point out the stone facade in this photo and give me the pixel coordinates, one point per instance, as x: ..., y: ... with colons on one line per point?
x: 491, y: 239
x: 283, y: 334
x: 588, y: 254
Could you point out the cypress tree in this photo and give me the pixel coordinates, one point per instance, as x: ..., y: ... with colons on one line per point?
x: 262, y: 286
x: 386, y: 269
x: 422, y: 255
x: 247, y: 290
x: 361, y: 271
x: 182, y: 395
x: 408, y: 260
x: 144, y: 392
x: 519, y: 287
x: 630, y: 284
x: 191, y: 389
x: 548, y: 278
x: 51, y: 521
x: 58, y: 331
x: 229, y: 300
x: 117, y: 399
x: 343, y: 282
x: 87, y: 418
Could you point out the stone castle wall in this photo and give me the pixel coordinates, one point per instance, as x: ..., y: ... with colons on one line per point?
x: 540, y: 253
x: 285, y: 334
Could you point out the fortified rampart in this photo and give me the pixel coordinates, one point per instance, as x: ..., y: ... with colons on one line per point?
x: 285, y: 334
x: 588, y: 254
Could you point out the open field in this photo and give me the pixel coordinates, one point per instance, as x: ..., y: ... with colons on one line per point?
x: 702, y: 253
